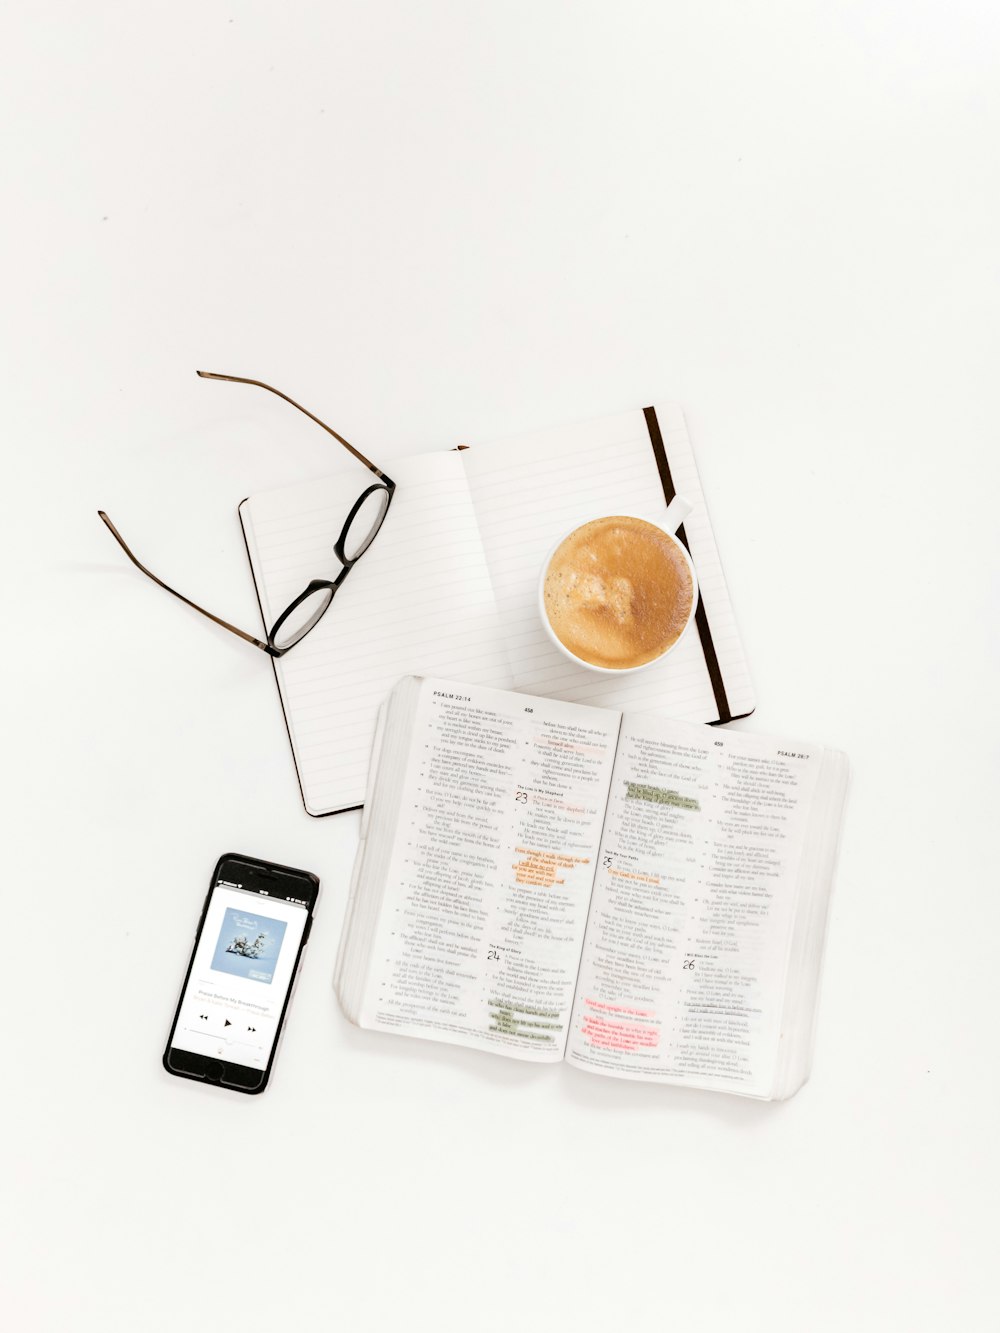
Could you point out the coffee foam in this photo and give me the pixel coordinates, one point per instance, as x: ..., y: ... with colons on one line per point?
x: 618, y: 592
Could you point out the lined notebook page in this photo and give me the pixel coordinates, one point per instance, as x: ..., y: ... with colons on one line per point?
x: 528, y: 492
x: 419, y: 603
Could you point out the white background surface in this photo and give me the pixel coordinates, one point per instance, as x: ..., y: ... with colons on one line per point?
x: 450, y: 221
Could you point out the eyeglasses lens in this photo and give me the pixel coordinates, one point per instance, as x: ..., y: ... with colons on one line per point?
x: 365, y: 524
x: 302, y: 618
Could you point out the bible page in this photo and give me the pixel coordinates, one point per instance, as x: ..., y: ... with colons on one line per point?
x: 489, y: 877
x: 686, y: 953
x: 420, y: 601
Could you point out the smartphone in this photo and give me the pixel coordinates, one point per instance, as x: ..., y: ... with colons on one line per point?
x: 247, y: 950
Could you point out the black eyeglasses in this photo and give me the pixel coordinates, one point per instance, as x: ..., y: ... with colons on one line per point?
x: 360, y: 529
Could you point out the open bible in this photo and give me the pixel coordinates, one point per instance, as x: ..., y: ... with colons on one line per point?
x: 640, y: 896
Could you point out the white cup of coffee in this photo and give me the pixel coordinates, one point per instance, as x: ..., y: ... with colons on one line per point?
x: 618, y: 593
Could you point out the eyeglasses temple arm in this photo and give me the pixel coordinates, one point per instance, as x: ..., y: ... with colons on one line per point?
x: 238, y: 379
x: 166, y: 587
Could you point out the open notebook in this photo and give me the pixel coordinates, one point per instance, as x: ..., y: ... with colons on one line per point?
x: 449, y: 588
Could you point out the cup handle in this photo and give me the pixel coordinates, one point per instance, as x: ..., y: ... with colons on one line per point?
x: 677, y: 511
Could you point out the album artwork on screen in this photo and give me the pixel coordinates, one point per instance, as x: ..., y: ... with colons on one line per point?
x: 248, y: 945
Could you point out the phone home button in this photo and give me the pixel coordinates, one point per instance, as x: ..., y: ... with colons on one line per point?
x: 213, y: 1069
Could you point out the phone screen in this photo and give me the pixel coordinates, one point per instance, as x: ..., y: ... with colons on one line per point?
x: 242, y: 969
